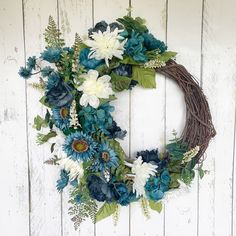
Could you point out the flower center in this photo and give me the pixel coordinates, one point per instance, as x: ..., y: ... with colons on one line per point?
x: 80, y: 146
x: 105, y: 156
x: 64, y: 112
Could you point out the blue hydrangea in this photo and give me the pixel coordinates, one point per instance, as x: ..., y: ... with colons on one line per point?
x: 63, y: 181
x: 96, y: 119
x: 134, y: 47
x: 24, y: 72
x: 151, y: 43
x: 105, y: 158
x: 61, y: 117
x: 31, y: 63
x: 124, y: 70
x: 79, y: 146
x: 116, y: 132
x: 157, y: 186
x: 86, y: 61
x: 46, y: 71
x: 51, y: 55
x: 53, y: 80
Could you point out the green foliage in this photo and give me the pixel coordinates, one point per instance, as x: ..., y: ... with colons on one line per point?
x: 144, y: 205
x: 39, y: 86
x: 106, y: 210
x: 187, y: 175
x: 53, y: 35
x: 144, y: 76
x: 137, y: 24
x: 43, y: 138
x: 115, y: 145
x: 80, y: 212
x: 166, y: 56
x: 105, y: 100
x: 39, y: 122
x: 156, y: 206
x: 119, y: 83
x: 129, y: 60
x: 174, y: 183
x: 66, y: 65
x: 52, y: 161
x: 44, y: 102
x: 104, y: 70
x: 176, y: 149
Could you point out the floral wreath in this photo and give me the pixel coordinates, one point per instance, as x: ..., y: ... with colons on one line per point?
x: 79, y: 83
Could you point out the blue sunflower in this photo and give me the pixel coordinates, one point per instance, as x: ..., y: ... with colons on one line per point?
x: 61, y: 117
x: 79, y: 146
x: 105, y: 158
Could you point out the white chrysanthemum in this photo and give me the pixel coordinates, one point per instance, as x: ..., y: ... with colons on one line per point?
x: 142, y: 171
x: 75, y: 168
x: 105, y: 45
x: 94, y: 88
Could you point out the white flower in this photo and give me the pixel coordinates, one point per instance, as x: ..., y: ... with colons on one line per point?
x: 75, y: 168
x: 94, y: 88
x: 142, y: 171
x: 106, y: 45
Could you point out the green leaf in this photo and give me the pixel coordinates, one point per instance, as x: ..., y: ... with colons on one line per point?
x: 43, y: 138
x: 119, y: 83
x: 156, y: 206
x: 104, y: 100
x: 144, y: 76
x: 43, y: 101
x: 166, y: 56
x: 187, y: 176
x: 39, y: 122
x: 174, y: 183
x: 201, y: 173
x: 129, y: 60
x: 106, y: 210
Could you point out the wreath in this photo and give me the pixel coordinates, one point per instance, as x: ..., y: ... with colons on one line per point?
x: 79, y: 84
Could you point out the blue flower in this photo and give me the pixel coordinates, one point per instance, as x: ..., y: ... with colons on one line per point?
x: 96, y: 119
x: 134, y: 47
x: 46, y: 71
x: 116, y: 132
x: 25, y: 73
x: 151, y: 43
x: 51, y: 55
x: 78, y: 199
x: 99, y: 189
x: 53, y: 80
x: 79, y: 146
x: 124, y: 70
x: 150, y: 156
x: 105, y: 158
x: 156, y: 186
x: 63, y: 181
x: 59, y: 94
x: 61, y: 117
x: 133, y: 83
x: 86, y: 61
x: 31, y: 63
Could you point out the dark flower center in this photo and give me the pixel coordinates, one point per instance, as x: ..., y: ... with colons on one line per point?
x: 105, y: 156
x: 80, y: 145
x: 64, y: 112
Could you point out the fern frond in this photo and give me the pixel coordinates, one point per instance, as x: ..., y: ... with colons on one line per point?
x: 52, y: 161
x: 53, y: 35
x: 116, y: 215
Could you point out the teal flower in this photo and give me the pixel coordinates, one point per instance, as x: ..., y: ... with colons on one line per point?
x: 53, y: 80
x: 31, y: 63
x: 25, y: 73
x: 134, y: 47
x: 61, y: 117
x: 105, y: 158
x: 63, y: 181
x: 151, y: 43
x: 79, y: 146
x: 46, y: 71
x: 51, y: 55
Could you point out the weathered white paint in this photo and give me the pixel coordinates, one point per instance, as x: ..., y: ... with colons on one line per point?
x: 203, y: 32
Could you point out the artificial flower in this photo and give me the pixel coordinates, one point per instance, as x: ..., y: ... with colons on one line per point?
x: 97, y: 119
x: 124, y: 70
x: 94, y: 87
x: 61, y: 117
x: 189, y: 155
x: 99, y: 189
x: 53, y: 80
x: 63, y: 181
x: 151, y: 43
x: 46, y: 71
x: 79, y: 146
x: 73, y: 168
x: 106, y: 45
x: 105, y: 158
x: 116, y: 132
x: 51, y: 55
x: 134, y: 47
x: 150, y: 156
x: 59, y: 95
x: 88, y: 63
x: 142, y: 171
x: 25, y: 72
x: 31, y: 63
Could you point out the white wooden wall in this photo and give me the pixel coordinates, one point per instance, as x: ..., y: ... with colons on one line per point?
x: 204, y: 34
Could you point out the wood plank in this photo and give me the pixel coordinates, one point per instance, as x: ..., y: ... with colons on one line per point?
x: 219, y: 53
x: 14, y: 204
x: 183, y: 36
x: 74, y: 16
x: 109, y: 11
x: 147, y: 115
x: 45, y: 200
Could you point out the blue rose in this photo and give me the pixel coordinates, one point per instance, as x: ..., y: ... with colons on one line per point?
x: 121, y: 194
x: 151, y: 43
x: 134, y: 47
x: 116, y: 132
x: 150, y: 156
x: 86, y: 61
x: 51, y: 55
x: 153, y: 190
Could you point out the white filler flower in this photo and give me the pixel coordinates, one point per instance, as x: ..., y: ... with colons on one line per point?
x: 106, y: 45
x: 75, y: 168
x: 94, y: 88
x: 142, y: 171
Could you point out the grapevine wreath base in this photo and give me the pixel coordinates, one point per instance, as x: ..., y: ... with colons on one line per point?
x: 79, y: 84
